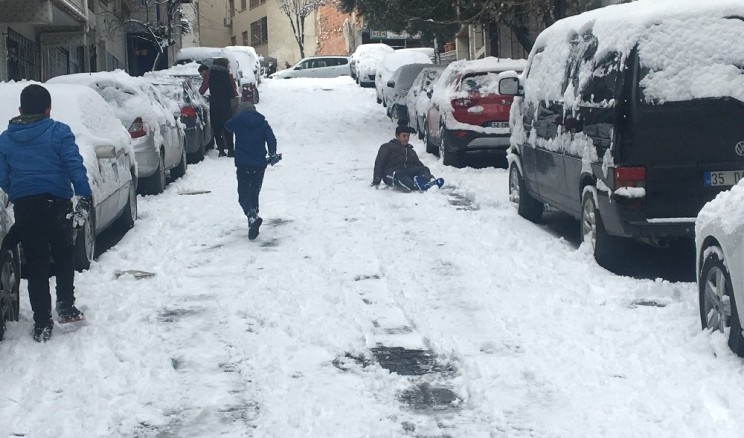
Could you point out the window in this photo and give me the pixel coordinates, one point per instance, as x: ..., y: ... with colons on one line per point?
x: 231, y: 4
x: 259, y: 32
x: 245, y: 39
x: 243, y: 5
x: 234, y: 41
x: 257, y: 3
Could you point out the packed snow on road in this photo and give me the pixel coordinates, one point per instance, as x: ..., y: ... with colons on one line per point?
x: 362, y: 312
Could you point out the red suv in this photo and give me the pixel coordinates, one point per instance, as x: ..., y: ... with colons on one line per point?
x: 467, y: 115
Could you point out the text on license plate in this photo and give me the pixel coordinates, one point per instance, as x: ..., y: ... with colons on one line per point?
x: 723, y: 178
x: 499, y: 124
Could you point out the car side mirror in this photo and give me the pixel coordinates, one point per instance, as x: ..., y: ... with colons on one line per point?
x: 429, y: 93
x: 509, y: 86
x: 391, y: 84
x: 298, y: 67
x: 105, y: 152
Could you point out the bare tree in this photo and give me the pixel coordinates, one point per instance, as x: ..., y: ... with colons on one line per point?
x: 297, y: 11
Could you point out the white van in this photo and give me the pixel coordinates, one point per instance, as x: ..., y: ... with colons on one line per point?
x: 317, y: 67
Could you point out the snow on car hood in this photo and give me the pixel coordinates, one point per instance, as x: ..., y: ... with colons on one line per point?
x: 726, y: 211
x: 129, y: 97
x: 90, y: 118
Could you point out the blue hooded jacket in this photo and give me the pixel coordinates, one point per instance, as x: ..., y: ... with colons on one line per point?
x: 252, y: 135
x: 39, y: 157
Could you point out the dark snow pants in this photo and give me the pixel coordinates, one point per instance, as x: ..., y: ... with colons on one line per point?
x: 44, y: 227
x: 403, y: 177
x: 250, y: 180
x: 222, y: 137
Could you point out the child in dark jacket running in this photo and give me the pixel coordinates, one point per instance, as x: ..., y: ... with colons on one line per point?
x: 252, y: 135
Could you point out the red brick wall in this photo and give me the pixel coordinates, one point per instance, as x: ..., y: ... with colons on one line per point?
x: 330, y: 30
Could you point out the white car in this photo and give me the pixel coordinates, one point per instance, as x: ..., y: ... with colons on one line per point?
x: 364, y: 62
x: 153, y: 124
x: 107, y: 153
x: 397, y: 89
x: 317, y: 67
x: 419, y: 96
x: 205, y: 55
x: 250, y: 71
x: 719, y: 242
x: 393, y: 62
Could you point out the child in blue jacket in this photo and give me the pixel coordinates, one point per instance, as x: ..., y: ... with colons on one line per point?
x: 252, y: 135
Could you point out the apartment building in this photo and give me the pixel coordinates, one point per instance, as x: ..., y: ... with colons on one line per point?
x: 261, y: 24
x: 47, y: 38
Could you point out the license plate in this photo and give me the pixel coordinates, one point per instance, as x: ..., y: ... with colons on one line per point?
x: 723, y: 178
x: 499, y: 124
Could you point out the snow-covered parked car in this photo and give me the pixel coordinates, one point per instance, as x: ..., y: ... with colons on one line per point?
x: 397, y: 88
x: 629, y: 118
x: 193, y: 108
x: 419, y: 96
x: 317, y: 67
x: 392, y: 62
x: 467, y: 115
x: 364, y: 62
x: 107, y: 153
x: 250, y: 72
x: 153, y: 124
x: 719, y: 239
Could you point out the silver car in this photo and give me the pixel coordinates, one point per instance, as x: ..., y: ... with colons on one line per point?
x: 156, y: 132
x: 317, y: 67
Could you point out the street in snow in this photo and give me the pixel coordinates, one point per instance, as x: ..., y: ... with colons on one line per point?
x: 363, y: 312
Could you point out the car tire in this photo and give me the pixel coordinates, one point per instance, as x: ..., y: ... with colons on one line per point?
x: 10, y: 282
x: 430, y: 147
x: 420, y: 131
x: 180, y: 169
x: 256, y: 97
x: 527, y: 206
x: 717, y: 302
x: 85, y: 243
x: 197, y: 156
x: 129, y: 215
x: 155, y: 183
x: 449, y: 158
x: 606, y: 248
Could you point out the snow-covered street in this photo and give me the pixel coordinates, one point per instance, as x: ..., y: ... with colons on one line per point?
x: 508, y: 329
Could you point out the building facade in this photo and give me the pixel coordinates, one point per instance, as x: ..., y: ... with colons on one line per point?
x: 47, y: 38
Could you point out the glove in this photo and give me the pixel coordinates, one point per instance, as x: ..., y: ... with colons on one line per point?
x: 82, y: 211
x: 273, y: 159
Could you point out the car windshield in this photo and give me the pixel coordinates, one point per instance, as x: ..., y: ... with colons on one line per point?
x: 480, y: 82
x: 688, y: 59
x: 407, y: 76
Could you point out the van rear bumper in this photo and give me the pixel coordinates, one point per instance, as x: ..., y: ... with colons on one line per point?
x: 622, y: 223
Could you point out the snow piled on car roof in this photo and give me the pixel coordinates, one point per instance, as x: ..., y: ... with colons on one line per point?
x: 129, y: 97
x: 682, y: 46
x: 83, y: 110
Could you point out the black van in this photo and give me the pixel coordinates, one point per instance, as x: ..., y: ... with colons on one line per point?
x: 632, y: 137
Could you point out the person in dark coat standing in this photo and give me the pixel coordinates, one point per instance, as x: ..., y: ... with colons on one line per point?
x: 222, y: 91
x: 40, y: 165
x: 398, y: 165
x: 252, y: 135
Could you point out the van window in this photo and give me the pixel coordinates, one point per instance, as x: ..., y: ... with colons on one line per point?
x: 601, y: 87
x: 583, y: 49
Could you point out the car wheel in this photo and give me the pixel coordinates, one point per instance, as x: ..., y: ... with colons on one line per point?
x: 449, y: 158
x: 10, y: 282
x: 198, y: 155
x: 717, y: 303
x: 256, y: 97
x: 420, y: 131
x: 85, y: 243
x: 180, y: 169
x: 527, y: 206
x: 155, y: 183
x: 129, y: 215
x: 430, y: 147
x: 605, y: 248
